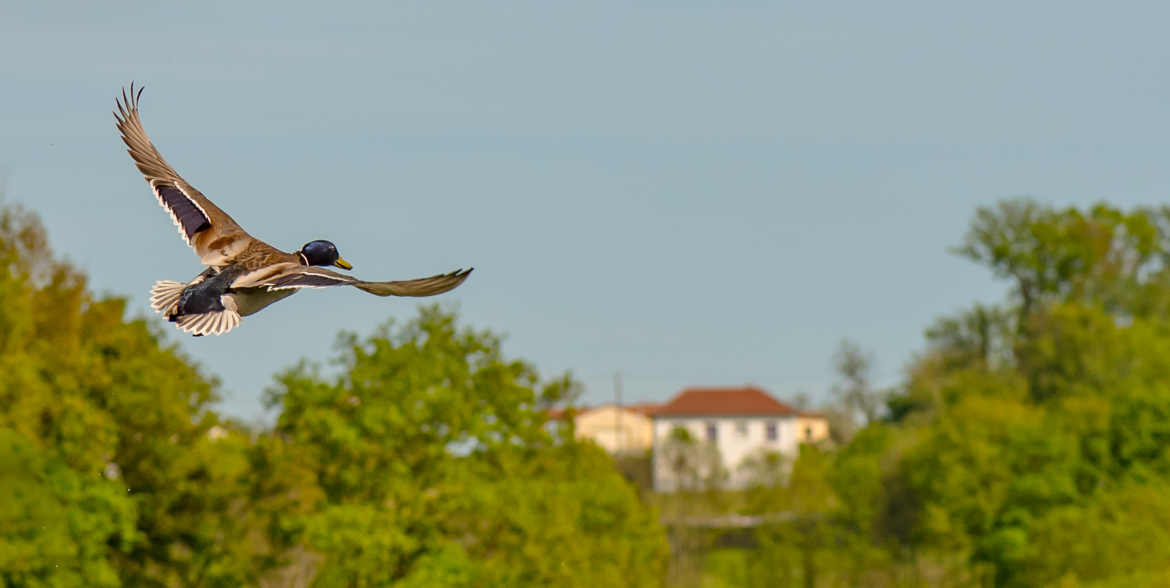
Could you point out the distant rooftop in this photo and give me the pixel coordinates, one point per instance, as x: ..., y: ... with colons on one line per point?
x: 642, y: 408
x: 746, y: 400
x: 731, y: 401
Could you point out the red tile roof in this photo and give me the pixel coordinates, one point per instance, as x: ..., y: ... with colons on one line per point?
x: 747, y: 400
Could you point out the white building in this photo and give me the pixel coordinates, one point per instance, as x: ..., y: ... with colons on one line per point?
x: 711, y: 434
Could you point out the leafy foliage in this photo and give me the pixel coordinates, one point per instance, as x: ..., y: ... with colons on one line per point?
x: 107, y: 460
x: 1024, y: 424
x: 426, y: 462
x: 1027, y: 446
x: 434, y: 463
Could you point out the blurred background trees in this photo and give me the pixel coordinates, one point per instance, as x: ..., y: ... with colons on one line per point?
x: 1020, y: 418
x: 424, y: 462
x: 435, y: 468
x: 856, y: 401
x: 1027, y: 444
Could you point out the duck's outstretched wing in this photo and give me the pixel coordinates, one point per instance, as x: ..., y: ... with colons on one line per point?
x: 215, y: 236
x: 317, y: 277
x: 418, y: 287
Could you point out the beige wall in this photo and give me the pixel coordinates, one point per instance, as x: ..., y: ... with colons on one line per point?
x: 615, y: 429
x: 810, y: 429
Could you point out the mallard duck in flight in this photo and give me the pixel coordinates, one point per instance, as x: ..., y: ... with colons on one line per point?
x: 244, y: 274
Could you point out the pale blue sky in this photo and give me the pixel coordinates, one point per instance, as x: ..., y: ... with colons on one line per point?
x: 694, y: 193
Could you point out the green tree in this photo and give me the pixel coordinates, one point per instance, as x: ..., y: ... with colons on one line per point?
x: 797, y: 549
x: 694, y: 465
x: 1118, y: 260
x: 858, y: 401
x: 1024, y: 421
x: 109, y: 473
x: 435, y: 469
x: 58, y: 526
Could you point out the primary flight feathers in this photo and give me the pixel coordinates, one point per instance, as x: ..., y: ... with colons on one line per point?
x: 244, y: 274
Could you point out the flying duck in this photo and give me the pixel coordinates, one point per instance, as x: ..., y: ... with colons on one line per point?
x: 244, y: 274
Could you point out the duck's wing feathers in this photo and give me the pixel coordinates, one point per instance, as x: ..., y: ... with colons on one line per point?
x: 213, y: 234
x: 317, y: 277
x: 430, y: 286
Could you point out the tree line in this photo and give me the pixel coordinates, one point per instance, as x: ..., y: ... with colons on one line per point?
x: 425, y: 463
x: 1027, y: 444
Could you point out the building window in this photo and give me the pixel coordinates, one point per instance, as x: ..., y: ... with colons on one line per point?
x: 772, y: 431
x: 741, y: 429
x: 712, y: 432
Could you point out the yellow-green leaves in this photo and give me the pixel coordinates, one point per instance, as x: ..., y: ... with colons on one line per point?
x: 434, y: 465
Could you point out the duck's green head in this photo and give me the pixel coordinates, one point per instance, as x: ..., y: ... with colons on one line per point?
x: 322, y: 252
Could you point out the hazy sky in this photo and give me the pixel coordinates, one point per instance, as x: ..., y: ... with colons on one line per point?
x: 694, y: 193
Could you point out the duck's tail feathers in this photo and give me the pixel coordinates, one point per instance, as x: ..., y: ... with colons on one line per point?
x: 209, y: 323
x: 165, y: 295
